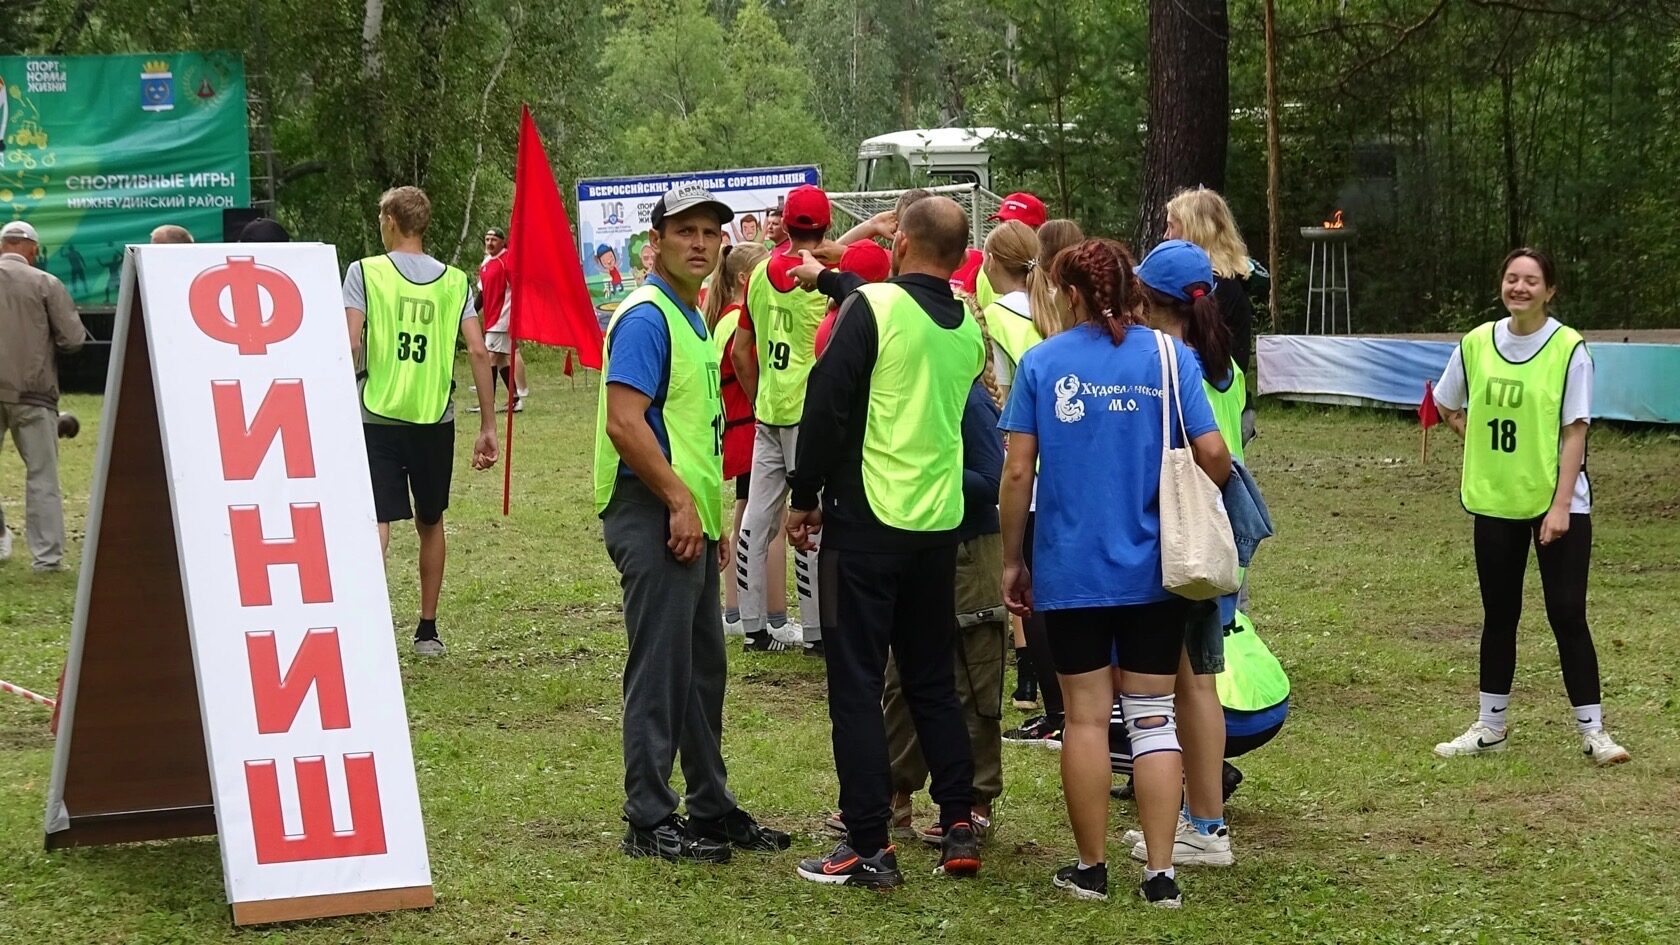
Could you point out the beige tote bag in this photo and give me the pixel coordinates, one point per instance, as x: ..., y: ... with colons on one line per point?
x: 1198, y: 553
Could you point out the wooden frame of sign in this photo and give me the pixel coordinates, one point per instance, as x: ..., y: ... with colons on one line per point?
x: 178, y: 702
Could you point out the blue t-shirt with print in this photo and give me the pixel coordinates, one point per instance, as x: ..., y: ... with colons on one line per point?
x: 1095, y: 408
x: 641, y: 358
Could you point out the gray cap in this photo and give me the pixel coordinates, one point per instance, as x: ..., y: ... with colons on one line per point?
x: 685, y: 197
x: 19, y: 230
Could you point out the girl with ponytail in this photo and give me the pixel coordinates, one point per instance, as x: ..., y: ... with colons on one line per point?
x: 722, y: 314
x: 1177, y: 280
x: 1048, y: 316
x: 1089, y: 403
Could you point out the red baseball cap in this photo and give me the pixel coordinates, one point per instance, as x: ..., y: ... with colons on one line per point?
x: 807, y: 208
x: 1024, y: 207
x: 867, y: 259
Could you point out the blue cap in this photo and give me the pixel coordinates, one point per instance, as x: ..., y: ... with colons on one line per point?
x: 1172, y: 267
x: 602, y: 249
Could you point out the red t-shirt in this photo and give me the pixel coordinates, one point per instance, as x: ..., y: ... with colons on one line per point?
x: 967, y: 277
x: 738, y: 425
x: 494, y: 292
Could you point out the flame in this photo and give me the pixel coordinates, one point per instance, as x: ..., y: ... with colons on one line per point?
x: 1335, y: 223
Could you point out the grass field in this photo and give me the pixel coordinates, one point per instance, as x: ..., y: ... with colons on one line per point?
x: 1347, y: 830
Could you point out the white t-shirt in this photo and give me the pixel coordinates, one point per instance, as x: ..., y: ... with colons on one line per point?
x: 1003, y: 366
x: 1450, y: 392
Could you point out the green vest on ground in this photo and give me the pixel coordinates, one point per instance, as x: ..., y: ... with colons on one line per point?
x: 1253, y: 678
x: 409, y: 341
x: 912, y: 437
x: 693, y: 411
x: 1011, y: 331
x: 1513, y: 427
x: 785, y: 328
x: 1228, y: 409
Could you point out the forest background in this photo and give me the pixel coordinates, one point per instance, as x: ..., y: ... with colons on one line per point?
x: 1447, y: 130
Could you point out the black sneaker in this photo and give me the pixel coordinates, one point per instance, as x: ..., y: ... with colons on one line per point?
x: 1091, y: 883
x: 1231, y: 779
x: 738, y: 829
x: 1162, y: 892
x: 670, y: 839
x: 846, y: 867
x: 763, y: 642
x: 815, y: 648
x: 1127, y: 791
x: 1042, y: 730
x: 959, y: 851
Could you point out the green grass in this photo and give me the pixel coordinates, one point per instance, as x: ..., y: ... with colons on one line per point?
x: 1347, y: 829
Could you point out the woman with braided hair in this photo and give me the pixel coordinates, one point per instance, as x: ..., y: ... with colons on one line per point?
x: 1090, y: 403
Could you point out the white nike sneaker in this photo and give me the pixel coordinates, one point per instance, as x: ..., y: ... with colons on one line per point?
x: 1602, y: 749
x: 791, y: 634
x: 1194, y: 848
x: 1477, y: 739
x: 1134, y: 837
x: 734, y: 628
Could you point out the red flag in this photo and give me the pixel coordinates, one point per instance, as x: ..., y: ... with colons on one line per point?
x: 568, y: 367
x: 1428, y: 414
x: 551, y: 303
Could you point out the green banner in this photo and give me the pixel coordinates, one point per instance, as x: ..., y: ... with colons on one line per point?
x: 96, y: 151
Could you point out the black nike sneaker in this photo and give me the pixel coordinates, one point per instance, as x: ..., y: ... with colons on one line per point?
x: 1088, y: 883
x: 738, y: 829
x: 847, y: 867
x: 670, y: 839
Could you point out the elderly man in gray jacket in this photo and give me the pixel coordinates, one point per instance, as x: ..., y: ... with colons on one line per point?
x: 37, y: 320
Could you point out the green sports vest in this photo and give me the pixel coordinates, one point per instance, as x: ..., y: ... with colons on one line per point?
x: 1228, y: 409
x: 1010, y: 330
x: 912, y: 437
x: 785, y: 328
x: 724, y: 330
x: 1513, y: 425
x: 1253, y: 678
x: 693, y: 410
x: 983, y: 294
x: 409, y: 341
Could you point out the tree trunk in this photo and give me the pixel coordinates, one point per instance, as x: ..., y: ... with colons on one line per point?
x: 1507, y: 122
x: 1274, y: 161
x: 1189, y: 106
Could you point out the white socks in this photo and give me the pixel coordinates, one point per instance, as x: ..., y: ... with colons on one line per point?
x: 1589, y: 718
x: 1493, y: 710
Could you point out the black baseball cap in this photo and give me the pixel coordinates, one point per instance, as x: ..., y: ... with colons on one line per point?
x: 685, y: 197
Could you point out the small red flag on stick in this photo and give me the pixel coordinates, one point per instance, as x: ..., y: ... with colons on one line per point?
x: 1428, y: 415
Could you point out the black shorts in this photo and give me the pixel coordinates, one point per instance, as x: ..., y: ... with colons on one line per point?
x: 1143, y: 638
x: 743, y: 484
x: 404, y: 458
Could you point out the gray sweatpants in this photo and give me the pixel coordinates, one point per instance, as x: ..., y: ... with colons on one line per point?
x: 35, y: 431
x: 773, y: 452
x: 674, y: 676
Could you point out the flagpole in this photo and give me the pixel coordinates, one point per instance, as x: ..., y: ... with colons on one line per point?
x: 507, y: 460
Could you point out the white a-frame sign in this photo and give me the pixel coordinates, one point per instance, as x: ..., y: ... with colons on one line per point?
x: 232, y: 668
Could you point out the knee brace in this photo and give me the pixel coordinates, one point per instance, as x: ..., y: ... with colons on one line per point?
x: 1150, y: 723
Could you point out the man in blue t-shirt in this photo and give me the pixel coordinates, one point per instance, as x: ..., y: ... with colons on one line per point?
x: 675, y: 670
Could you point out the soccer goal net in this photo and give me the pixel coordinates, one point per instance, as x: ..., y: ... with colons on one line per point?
x: 978, y: 201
